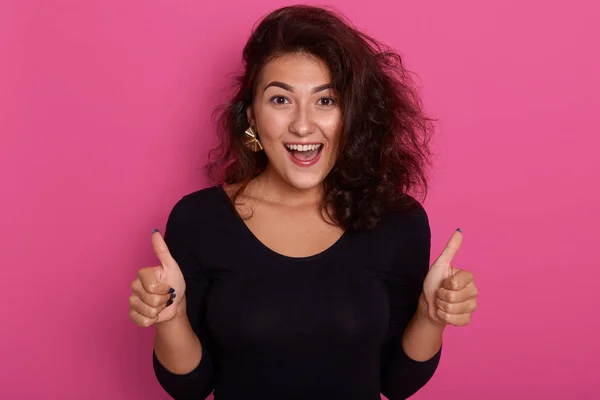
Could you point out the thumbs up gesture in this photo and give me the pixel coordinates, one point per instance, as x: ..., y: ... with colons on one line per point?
x: 449, y: 294
x: 158, y: 291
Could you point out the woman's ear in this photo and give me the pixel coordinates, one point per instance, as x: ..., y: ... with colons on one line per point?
x: 250, y: 116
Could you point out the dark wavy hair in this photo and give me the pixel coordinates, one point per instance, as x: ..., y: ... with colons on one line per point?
x: 384, y: 148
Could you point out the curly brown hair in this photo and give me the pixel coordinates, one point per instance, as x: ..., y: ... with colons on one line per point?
x: 384, y: 148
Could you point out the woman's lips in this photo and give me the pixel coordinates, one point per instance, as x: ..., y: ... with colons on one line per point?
x: 307, y: 159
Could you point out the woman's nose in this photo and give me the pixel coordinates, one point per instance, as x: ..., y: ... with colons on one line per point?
x: 302, y: 123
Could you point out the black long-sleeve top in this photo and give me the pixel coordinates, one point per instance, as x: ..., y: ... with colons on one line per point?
x: 323, y: 327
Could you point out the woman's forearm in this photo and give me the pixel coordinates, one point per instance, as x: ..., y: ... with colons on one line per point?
x: 422, y: 338
x: 176, y: 345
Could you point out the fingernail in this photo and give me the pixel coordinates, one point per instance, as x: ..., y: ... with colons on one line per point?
x: 169, y: 302
x: 454, y: 284
x: 171, y: 290
x: 173, y: 296
x: 154, y: 231
x: 458, y: 229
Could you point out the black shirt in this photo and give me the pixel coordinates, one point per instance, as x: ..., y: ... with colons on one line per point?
x: 323, y: 327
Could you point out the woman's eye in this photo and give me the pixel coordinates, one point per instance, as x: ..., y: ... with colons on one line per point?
x: 278, y: 100
x: 327, y: 101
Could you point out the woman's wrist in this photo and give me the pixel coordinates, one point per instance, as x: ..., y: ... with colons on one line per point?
x: 180, y: 319
x: 176, y: 345
x: 422, y: 338
x: 423, y: 322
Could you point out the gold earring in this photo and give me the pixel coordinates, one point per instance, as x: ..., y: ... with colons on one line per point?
x: 251, y: 140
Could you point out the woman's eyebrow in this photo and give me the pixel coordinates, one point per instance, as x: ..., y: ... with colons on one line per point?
x: 289, y: 88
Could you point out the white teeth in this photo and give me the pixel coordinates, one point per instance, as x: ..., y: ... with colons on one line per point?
x: 303, y: 147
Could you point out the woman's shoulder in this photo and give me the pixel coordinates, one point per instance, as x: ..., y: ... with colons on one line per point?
x: 410, y: 217
x: 203, y: 201
x: 209, y: 193
x: 409, y: 208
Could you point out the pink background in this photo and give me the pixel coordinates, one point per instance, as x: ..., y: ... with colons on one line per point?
x: 105, y: 123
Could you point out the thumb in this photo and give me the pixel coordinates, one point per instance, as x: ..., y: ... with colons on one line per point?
x: 162, y: 251
x: 451, y: 248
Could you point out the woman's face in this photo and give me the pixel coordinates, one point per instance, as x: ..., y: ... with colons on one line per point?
x: 298, y: 119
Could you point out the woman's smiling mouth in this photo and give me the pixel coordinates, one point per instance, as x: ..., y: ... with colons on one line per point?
x: 304, y: 155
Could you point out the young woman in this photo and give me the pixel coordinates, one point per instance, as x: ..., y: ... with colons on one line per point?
x: 305, y: 273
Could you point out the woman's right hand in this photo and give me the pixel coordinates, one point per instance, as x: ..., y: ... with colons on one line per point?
x: 158, y: 292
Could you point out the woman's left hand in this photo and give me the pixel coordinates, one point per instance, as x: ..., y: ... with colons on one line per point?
x: 449, y: 294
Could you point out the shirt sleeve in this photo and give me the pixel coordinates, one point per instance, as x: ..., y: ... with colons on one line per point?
x: 401, y: 375
x: 197, y: 384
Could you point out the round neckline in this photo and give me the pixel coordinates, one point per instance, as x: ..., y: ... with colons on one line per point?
x: 269, y: 250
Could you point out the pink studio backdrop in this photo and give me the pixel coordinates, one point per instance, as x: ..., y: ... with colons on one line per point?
x: 105, y: 123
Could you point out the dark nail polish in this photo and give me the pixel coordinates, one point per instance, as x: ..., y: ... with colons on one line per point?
x: 169, y: 302
x: 458, y: 229
x: 171, y: 290
x: 154, y: 231
x: 173, y: 296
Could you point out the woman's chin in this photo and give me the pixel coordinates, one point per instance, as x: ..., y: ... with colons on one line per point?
x: 305, y: 180
x: 301, y: 177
